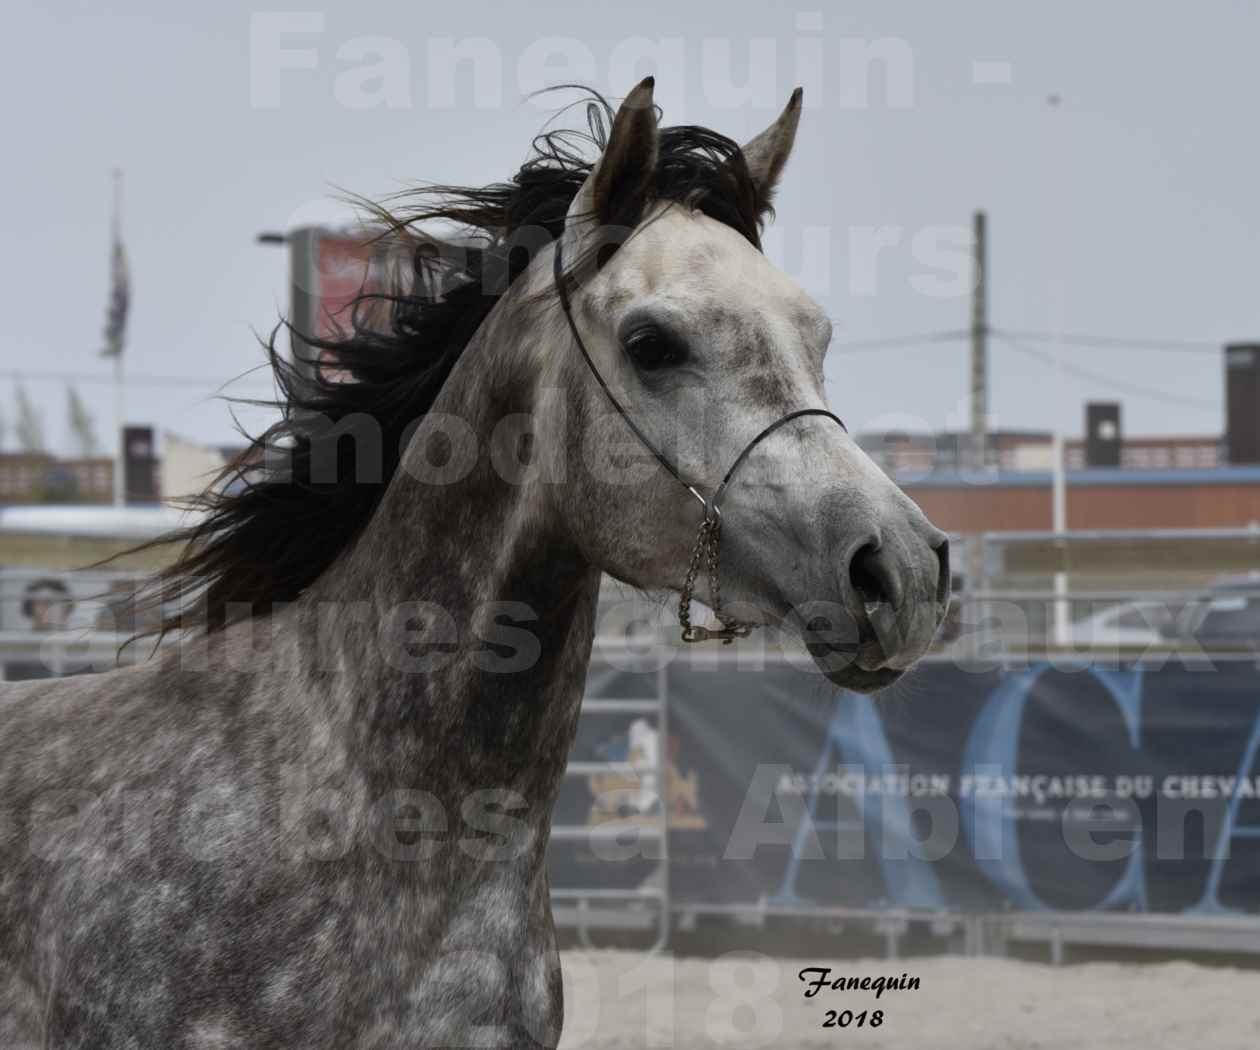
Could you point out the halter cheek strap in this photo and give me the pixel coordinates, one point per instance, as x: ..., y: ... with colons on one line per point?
x: 707, y: 548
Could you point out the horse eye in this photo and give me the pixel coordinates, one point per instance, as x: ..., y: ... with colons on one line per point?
x: 651, y: 349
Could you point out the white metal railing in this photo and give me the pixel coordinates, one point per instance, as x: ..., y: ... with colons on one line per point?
x: 574, y: 905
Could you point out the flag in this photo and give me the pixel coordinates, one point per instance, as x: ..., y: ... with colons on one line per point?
x: 119, y: 301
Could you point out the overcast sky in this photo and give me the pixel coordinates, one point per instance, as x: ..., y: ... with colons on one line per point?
x: 1129, y: 210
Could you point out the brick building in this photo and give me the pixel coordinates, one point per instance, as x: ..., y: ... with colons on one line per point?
x: 1224, y: 497
x: 37, y: 477
x: 901, y: 453
x: 1161, y: 482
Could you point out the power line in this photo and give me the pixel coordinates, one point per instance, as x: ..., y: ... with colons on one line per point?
x: 1135, y: 389
x: 1067, y: 339
x: 1187, y: 346
x: 28, y: 375
x: 904, y: 340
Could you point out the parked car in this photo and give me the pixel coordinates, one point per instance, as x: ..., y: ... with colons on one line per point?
x: 1225, y: 617
x: 1130, y: 625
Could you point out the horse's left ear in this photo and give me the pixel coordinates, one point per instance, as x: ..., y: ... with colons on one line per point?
x: 618, y: 188
x: 768, y: 152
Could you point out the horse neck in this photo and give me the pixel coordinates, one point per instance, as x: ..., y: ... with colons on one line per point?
x: 484, y: 564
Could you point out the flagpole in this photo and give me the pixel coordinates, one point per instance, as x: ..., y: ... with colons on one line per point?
x: 120, y: 451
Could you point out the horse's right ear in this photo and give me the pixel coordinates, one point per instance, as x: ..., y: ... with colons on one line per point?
x: 620, y: 185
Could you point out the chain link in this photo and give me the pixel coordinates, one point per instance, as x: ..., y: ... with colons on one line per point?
x: 707, y: 548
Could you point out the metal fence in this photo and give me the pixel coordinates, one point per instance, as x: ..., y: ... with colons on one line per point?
x: 1066, y: 595
x: 1119, y: 592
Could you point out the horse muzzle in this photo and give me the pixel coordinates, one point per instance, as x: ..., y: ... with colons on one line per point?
x: 893, y: 586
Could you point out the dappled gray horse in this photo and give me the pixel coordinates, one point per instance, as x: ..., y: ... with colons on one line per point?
x: 318, y: 818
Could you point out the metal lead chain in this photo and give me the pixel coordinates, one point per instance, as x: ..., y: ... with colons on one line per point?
x: 707, y: 548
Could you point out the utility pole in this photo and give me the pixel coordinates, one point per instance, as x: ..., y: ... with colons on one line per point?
x: 973, y: 573
x: 1057, y: 211
x: 979, y: 346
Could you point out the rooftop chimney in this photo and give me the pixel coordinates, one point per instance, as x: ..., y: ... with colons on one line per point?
x: 1242, y: 403
x: 1103, y: 437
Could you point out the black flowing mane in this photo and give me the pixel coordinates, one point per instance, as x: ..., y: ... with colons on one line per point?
x: 265, y: 534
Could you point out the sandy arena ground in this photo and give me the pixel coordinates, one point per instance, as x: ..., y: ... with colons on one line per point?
x: 630, y: 1001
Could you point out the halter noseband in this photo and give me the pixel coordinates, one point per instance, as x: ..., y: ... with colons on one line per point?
x: 708, y: 539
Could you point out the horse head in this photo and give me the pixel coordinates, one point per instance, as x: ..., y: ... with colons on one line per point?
x: 710, y: 357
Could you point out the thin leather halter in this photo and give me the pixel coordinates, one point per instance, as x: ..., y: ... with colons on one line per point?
x: 709, y: 536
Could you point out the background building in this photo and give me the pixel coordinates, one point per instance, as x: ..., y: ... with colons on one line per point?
x: 39, y: 477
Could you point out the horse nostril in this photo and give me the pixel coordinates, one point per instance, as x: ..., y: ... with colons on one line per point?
x: 873, y: 577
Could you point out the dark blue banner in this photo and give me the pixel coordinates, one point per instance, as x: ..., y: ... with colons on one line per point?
x: 1034, y: 789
